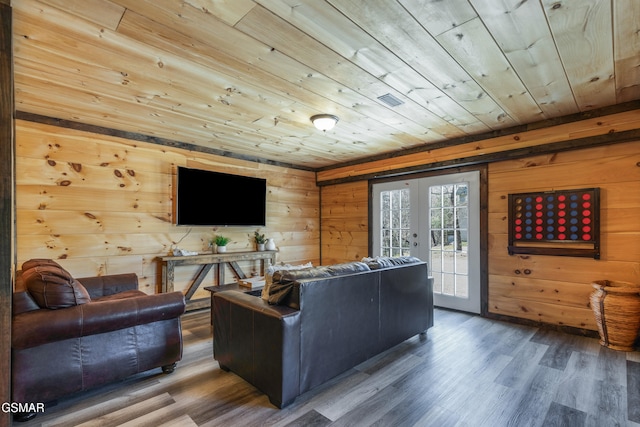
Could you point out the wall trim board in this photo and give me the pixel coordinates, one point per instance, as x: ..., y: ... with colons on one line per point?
x: 7, y: 161
x: 514, y: 154
x: 30, y: 117
x: 572, y: 118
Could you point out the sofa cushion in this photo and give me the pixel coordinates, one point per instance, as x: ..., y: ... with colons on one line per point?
x: 284, y: 280
x: 284, y: 276
x: 347, y: 268
x: 385, y: 261
x: 52, y: 287
x: 278, y: 267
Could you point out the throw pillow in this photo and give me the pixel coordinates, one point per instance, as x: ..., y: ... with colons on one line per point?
x: 384, y: 262
x: 52, y: 287
x: 39, y: 262
x: 283, y: 280
x: 273, y: 269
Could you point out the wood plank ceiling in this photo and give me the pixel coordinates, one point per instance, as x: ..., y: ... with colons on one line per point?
x: 243, y: 76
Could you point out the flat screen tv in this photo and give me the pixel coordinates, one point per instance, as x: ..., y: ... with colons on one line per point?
x: 219, y: 199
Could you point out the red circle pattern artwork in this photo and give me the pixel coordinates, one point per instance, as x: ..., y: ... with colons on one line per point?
x: 554, y: 216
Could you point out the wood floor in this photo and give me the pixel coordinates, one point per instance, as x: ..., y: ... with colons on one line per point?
x: 469, y: 371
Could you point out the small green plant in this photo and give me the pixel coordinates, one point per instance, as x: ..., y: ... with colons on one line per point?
x: 220, y: 240
x: 259, y: 238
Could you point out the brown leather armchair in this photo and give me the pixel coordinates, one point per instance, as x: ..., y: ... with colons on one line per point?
x: 67, y: 338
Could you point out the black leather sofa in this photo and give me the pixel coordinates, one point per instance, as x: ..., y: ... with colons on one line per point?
x: 69, y: 335
x: 330, y: 320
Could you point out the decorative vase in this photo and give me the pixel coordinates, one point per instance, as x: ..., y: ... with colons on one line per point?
x: 260, y: 246
x: 271, y: 245
x: 616, y: 306
x: 221, y: 249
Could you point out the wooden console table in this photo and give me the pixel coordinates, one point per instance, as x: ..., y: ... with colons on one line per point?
x: 209, y: 261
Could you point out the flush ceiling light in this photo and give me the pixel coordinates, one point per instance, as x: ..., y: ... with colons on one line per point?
x: 324, y: 122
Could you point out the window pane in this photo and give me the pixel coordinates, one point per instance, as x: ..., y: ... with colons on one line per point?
x: 404, y: 195
x: 395, y: 222
x: 405, y: 218
x: 386, y: 204
x: 395, y: 219
x: 449, y: 238
x: 448, y: 284
x: 385, y: 218
x: 447, y: 195
x: 436, y: 198
x: 462, y: 193
x: 437, y: 283
x: 405, y: 238
x: 436, y: 261
x: 448, y: 218
x: 436, y: 218
x: 462, y: 218
x: 395, y: 199
x: 462, y: 263
x: 462, y: 286
x: 386, y: 237
x: 436, y: 239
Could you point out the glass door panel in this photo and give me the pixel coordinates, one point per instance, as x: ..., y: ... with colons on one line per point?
x: 449, y: 239
x: 395, y: 226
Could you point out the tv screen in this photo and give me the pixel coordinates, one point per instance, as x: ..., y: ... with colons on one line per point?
x: 218, y: 199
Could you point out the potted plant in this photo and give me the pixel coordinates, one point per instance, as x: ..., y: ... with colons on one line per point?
x: 260, y: 240
x: 221, y: 243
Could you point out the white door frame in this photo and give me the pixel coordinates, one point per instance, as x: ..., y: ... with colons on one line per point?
x: 420, y: 239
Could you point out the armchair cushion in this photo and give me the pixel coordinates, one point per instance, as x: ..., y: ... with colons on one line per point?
x: 51, y: 286
x: 113, y: 284
x: 102, y: 315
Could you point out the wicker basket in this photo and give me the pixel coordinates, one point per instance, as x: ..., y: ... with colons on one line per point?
x: 616, y: 306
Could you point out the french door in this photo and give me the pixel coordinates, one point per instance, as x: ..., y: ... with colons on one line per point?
x: 436, y: 219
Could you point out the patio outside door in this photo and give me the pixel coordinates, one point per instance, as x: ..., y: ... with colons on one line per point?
x: 436, y: 219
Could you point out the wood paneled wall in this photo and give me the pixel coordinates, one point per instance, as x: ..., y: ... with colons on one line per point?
x: 345, y: 222
x: 537, y: 138
x: 103, y: 205
x: 555, y: 289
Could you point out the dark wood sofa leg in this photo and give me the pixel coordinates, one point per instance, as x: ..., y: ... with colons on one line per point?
x: 168, y: 369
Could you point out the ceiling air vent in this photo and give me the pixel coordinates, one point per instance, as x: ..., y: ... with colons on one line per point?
x: 390, y: 100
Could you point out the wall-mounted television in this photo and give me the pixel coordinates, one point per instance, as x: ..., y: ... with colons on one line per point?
x: 219, y: 199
